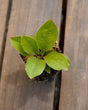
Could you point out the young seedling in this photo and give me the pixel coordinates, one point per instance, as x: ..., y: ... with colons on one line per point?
x: 39, y: 52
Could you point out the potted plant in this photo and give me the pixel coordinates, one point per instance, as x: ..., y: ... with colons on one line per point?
x: 39, y: 53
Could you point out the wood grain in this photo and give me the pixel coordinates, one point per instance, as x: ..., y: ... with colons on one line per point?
x: 74, y: 86
x: 17, y: 91
x: 3, y: 17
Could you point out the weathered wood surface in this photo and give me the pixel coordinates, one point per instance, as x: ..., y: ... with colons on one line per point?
x: 17, y: 92
x: 3, y: 16
x: 74, y: 86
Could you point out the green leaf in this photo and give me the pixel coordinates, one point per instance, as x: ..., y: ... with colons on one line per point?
x: 68, y: 60
x: 47, y: 69
x: 29, y: 45
x: 34, y: 66
x: 16, y: 43
x: 56, y: 61
x: 47, y: 35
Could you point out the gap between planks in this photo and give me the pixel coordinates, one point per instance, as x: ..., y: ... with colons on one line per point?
x: 61, y: 45
x: 5, y: 34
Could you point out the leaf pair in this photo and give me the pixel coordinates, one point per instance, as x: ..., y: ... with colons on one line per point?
x: 44, y: 40
x: 40, y: 46
x: 57, y: 61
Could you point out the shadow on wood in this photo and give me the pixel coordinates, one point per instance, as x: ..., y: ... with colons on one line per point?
x: 28, y: 89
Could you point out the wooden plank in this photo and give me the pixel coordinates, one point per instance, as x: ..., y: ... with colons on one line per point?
x: 74, y: 87
x: 3, y: 17
x: 17, y: 91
